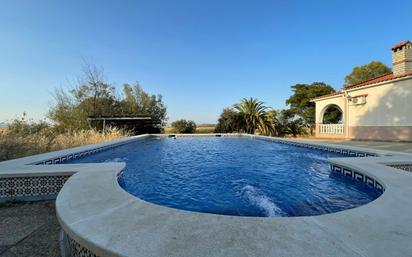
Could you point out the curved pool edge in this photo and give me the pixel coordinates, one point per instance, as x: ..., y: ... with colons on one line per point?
x: 107, y: 221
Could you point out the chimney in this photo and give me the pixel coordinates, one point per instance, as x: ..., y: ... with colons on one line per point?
x: 402, y: 58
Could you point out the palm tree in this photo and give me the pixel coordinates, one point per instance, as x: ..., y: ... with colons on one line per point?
x: 270, y: 122
x: 295, y: 127
x: 255, y: 116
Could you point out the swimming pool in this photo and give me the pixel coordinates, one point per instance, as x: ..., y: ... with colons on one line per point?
x: 234, y: 176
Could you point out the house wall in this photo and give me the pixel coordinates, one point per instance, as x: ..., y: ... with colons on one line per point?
x: 387, y: 114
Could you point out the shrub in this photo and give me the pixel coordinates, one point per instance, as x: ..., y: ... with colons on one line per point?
x: 229, y: 121
x: 184, y: 126
x: 296, y: 127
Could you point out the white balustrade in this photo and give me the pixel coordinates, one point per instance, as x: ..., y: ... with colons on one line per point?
x: 331, y: 128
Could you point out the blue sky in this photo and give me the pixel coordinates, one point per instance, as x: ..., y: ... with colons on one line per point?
x: 201, y: 56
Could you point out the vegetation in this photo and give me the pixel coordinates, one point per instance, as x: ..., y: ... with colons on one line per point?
x: 200, y: 129
x: 205, y: 128
x: 230, y: 121
x: 252, y: 116
x: 300, y: 101
x: 332, y: 115
x: 184, y: 126
x: 248, y: 116
x: 295, y: 127
x: 23, y: 138
x: 366, y: 72
x: 255, y: 116
x: 93, y: 96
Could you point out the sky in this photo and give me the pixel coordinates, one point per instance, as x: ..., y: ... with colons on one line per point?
x: 202, y: 56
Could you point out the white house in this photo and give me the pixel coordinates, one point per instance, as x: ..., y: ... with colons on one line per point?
x: 377, y: 109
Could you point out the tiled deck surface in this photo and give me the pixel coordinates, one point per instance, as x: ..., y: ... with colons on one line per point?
x: 405, y: 147
x: 29, y: 229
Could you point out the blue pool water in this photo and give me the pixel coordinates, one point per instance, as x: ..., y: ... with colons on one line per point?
x: 234, y: 176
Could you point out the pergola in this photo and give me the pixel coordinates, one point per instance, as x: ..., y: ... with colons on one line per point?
x: 138, y: 124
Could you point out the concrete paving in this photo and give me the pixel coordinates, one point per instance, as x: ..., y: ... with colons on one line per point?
x: 29, y: 229
x: 405, y: 147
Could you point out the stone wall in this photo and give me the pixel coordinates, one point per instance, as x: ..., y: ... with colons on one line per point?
x: 402, y: 59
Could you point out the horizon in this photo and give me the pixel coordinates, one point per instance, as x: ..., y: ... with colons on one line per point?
x: 201, y: 57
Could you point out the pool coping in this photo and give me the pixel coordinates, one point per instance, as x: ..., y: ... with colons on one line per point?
x: 100, y: 217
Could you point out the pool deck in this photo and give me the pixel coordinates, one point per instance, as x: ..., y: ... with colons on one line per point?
x: 29, y: 229
x: 107, y: 221
x: 405, y: 147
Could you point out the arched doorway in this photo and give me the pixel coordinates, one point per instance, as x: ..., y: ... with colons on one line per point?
x: 332, y: 115
x: 332, y: 120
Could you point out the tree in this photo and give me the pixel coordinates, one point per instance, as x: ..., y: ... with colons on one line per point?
x: 248, y: 116
x: 300, y: 101
x: 67, y: 114
x: 332, y: 115
x: 366, y: 72
x: 268, y: 127
x: 281, y: 121
x: 138, y: 102
x: 254, y: 114
x: 230, y: 121
x: 93, y: 96
x: 184, y: 126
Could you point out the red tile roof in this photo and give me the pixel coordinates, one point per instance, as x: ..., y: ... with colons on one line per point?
x: 383, y: 78
x: 331, y: 94
x: 386, y: 77
x: 401, y: 44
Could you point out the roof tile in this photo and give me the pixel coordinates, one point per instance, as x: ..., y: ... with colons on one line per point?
x: 386, y: 77
x: 331, y: 94
x: 401, y: 44
x: 383, y: 78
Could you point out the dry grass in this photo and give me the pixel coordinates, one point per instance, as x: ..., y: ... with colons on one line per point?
x: 199, y: 129
x: 205, y: 129
x: 19, y: 145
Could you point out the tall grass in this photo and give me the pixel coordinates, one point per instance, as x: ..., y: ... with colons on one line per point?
x: 23, y: 139
x: 199, y: 129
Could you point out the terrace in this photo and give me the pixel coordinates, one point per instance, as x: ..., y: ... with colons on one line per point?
x: 80, y: 210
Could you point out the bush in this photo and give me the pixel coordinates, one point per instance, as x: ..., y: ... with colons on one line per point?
x: 184, y: 126
x: 230, y: 121
x: 296, y: 127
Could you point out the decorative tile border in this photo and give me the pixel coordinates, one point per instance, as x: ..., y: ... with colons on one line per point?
x: 357, y: 176
x: 77, y: 250
x: 405, y: 167
x: 322, y: 148
x: 34, y: 186
x: 72, y: 156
